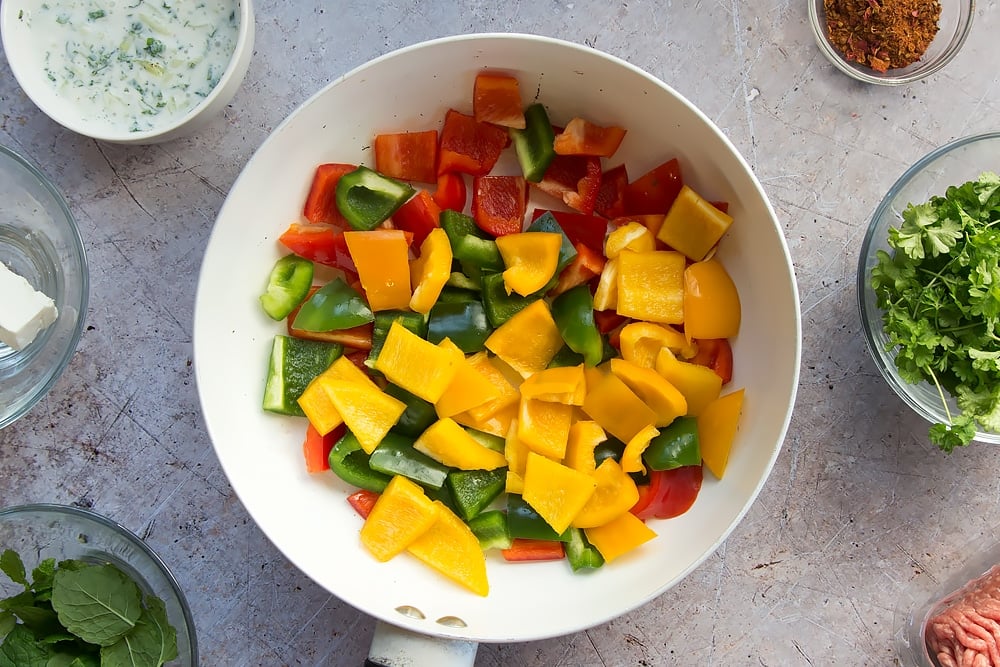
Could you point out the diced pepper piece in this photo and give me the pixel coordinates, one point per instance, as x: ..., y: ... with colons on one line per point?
x: 586, y: 266
x: 612, y: 448
x: 474, y: 490
x: 400, y: 515
x: 490, y: 528
x: 321, y: 202
x: 515, y: 482
x: 651, y: 221
x: 563, y: 384
x: 717, y: 430
x: 447, y: 442
x: 634, y: 448
x: 336, y: 305
x: 315, y: 400
x: 410, y: 156
x: 287, y: 286
x: 693, y: 226
x: 619, y: 536
x: 468, y: 389
x: 581, y: 137
x: 498, y: 203
x: 616, y: 493
x: 573, y: 313
x: 468, y: 146
x: 654, y: 191
x: 397, y: 455
x: 675, y: 446
x: 451, y: 548
x: 580, y: 553
x: 382, y: 258
x: 589, y: 230
x: 670, y: 493
x: 525, y: 522
x: 419, y: 414
x: 488, y: 440
x: 415, y: 364
x: 515, y: 452
x: 497, y: 424
x: 584, y: 437
x: 616, y: 408
x: 496, y: 98
x: 555, y: 491
x: 531, y: 259
x: 350, y: 463
x: 700, y: 385
x: 451, y: 192
x: 415, y: 322
x: 573, y: 179
x: 611, y: 193
x: 543, y: 426
x: 528, y: 340
x: 507, y: 392
x: 316, y: 448
x: 419, y: 216
x: 711, y: 301
x: 717, y: 354
x: 534, y: 143
x: 630, y: 236
x: 369, y: 413
x: 469, y: 243
x: 362, y: 501
x: 367, y: 198
x: 651, y: 286
x: 430, y: 271
x: 500, y: 305
x: 662, y: 397
x: 641, y: 342
x: 523, y: 550
x: 606, y: 294
x: 358, y: 338
x: 548, y: 223
x: 293, y: 364
x: 464, y: 323
x: 320, y: 243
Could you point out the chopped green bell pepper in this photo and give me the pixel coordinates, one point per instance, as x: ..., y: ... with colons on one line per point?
x: 366, y: 198
x: 573, y: 312
x: 499, y: 305
x: 612, y: 448
x: 350, y: 463
x: 490, y: 528
x: 419, y: 414
x: 469, y: 243
x: 463, y: 322
x: 580, y: 553
x: 524, y: 521
x: 395, y: 455
x: 294, y: 363
x: 474, y: 490
x: 457, y: 294
x: 488, y: 440
x: 534, y: 144
x: 415, y: 322
x: 458, y: 280
x: 287, y: 286
x: 677, y: 445
x: 334, y: 306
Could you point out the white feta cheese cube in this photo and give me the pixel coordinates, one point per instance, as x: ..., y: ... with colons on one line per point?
x: 24, y: 311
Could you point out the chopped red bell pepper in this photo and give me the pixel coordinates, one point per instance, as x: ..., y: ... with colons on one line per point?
x: 721, y: 205
x: 523, y: 550
x: 320, y: 242
x: 359, y: 357
x: 611, y: 194
x: 717, y: 354
x: 608, y: 320
x: 499, y: 203
x: 586, y: 266
x: 669, y: 493
x: 496, y: 98
x: 418, y: 216
x: 575, y: 179
x: 654, y: 191
x: 316, y: 448
x: 451, y: 192
x: 581, y: 137
x: 410, y: 156
x: 468, y: 146
x: 589, y: 230
x: 321, y: 202
x: 363, y: 501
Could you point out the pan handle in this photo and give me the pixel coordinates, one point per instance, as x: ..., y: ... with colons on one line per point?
x: 394, y: 647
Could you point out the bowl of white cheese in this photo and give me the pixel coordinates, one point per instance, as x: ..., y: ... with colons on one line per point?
x: 129, y: 71
x: 44, y: 285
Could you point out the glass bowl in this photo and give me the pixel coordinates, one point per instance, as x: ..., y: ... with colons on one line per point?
x: 954, y: 26
x: 953, y: 164
x: 41, y: 531
x: 39, y: 241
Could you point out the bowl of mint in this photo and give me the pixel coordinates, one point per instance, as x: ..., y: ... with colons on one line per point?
x: 77, y: 589
x: 929, y: 290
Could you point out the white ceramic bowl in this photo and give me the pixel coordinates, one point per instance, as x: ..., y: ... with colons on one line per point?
x: 28, y: 36
x: 306, y: 516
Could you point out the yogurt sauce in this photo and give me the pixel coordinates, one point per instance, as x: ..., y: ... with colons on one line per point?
x: 135, y: 65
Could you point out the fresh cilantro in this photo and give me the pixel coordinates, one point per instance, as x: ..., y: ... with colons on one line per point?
x: 939, y: 291
x: 80, y: 613
x: 96, y: 14
x: 154, y: 47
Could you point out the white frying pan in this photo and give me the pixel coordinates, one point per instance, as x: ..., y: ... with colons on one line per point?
x: 306, y: 516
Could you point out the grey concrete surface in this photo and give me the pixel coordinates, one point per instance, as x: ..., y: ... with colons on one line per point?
x: 858, y: 505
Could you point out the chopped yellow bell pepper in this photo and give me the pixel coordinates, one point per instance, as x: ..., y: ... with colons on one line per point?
x: 315, y: 401
x: 711, y: 302
x: 606, y: 294
x: 651, y: 286
x: 451, y: 548
x: 616, y: 408
x: 693, y: 225
x: 556, y: 492
x: 515, y: 451
x: 402, y: 513
x: 507, y: 392
x: 448, y: 443
x: 699, y: 384
x: 415, y: 364
x: 564, y: 384
x: 514, y: 483
x: 662, y: 397
x: 717, y: 430
x: 632, y: 236
x: 641, y: 342
x: 468, y: 389
x: 616, y: 493
x: 368, y: 412
x: 544, y: 426
x: 528, y: 340
x: 430, y: 271
x: 632, y: 456
x: 619, y: 536
x: 584, y: 437
x: 497, y: 424
x: 382, y: 259
x: 531, y: 259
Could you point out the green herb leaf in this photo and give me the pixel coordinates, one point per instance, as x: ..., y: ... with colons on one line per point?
x: 19, y: 649
x: 153, y: 642
x: 12, y: 565
x: 41, y: 579
x: 99, y: 604
x: 7, y: 622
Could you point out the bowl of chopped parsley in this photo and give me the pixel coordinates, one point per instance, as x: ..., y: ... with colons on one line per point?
x: 929, y: 290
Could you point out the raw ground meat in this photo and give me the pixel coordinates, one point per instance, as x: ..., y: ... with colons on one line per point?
x: 966, y: 630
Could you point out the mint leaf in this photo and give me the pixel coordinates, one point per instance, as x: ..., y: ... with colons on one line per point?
x: 152, y: 643
x: 7, y: 623
x: 13, y: 567
x: 99, y: 604
x: 19, y: 649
